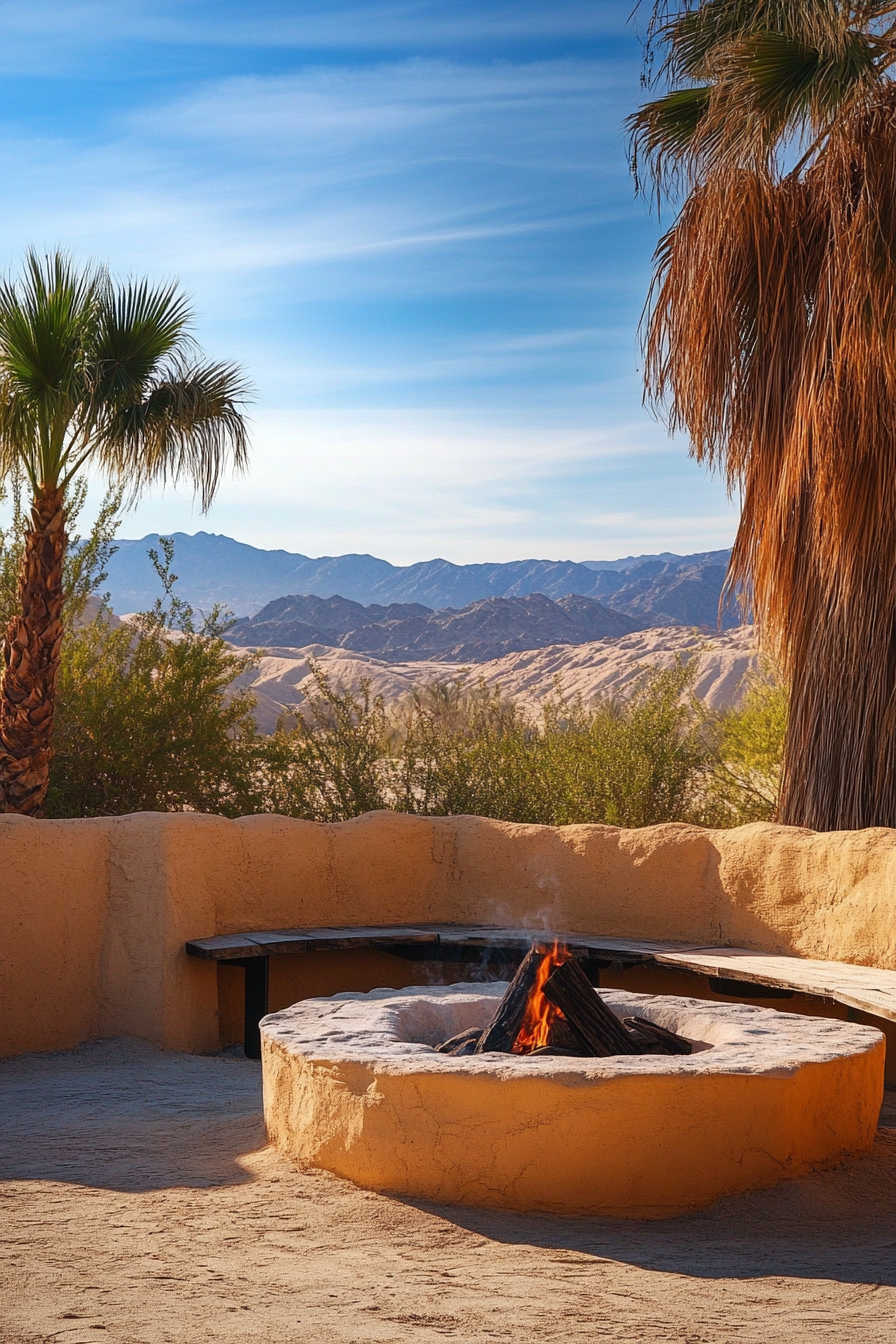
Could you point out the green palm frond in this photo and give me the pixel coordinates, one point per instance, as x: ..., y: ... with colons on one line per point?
x: 783, y: 86
x: 663, y: 132
x: 46, y: 321
x: 692, y: 34
x: 137, y: 328
x: 187, y: 425
x: 765, y: 75
x: 19, y: 436
x: 94, y: 370
x: 789, y: 79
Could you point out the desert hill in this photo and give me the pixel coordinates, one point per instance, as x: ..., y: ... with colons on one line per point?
x: 653, y: 590
x: 406, y: 632
x: 601, y: 668
x: 684, y: 592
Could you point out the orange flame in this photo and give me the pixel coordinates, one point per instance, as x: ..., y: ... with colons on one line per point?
x: 540, y: 1014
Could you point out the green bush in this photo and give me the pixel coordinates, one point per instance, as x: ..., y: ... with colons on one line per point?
x: 453, y: 748
x: 749, y: 753
x: 330, y: 767
x: 144, y: 720
x: 627, y: 763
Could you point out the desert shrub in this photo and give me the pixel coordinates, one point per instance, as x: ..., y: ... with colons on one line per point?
x: 454, y: 748
x: 748, y: 752
x: 634, y: 762
x: 331, y: 765
x: 145, y: 722
x: 625, y: 762
x: 144, y: 719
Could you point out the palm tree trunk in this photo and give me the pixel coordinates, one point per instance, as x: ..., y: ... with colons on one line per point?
x: 31, y: 662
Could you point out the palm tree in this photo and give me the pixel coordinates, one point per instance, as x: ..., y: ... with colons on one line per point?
x: 770, y: 337
x: 106, y: 375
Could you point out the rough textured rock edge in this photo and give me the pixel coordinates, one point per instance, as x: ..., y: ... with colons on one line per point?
x: 377, y: 1028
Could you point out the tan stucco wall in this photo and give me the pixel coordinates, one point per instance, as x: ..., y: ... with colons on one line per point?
x: 94, y: 913
x: 54, y: 877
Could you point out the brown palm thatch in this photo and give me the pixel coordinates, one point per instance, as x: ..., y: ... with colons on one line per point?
x: 771, y: 339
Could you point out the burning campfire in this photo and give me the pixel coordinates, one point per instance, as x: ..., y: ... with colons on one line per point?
x: 551, y: 1008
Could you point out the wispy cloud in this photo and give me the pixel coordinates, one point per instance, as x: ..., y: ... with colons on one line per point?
x: 329, y: 164
x: 411, y: 484
x: 416, y: 155
x: 358, y: 103
x: 412, y: 222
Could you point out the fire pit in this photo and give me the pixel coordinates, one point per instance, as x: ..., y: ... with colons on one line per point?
x: 528, y: 1114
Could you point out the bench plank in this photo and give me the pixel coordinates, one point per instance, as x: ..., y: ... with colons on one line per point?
x: 866, y: 988
x: 224, y: 947
x: 521, y: 939
x: 264, y: 943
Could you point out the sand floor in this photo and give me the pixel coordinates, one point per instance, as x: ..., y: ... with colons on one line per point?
x: 138, y: 1204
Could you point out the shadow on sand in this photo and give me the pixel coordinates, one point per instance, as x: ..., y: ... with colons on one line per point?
x: 838, y: 1224
x: 123, y: 1115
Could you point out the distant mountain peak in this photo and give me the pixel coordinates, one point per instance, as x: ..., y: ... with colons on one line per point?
x: 489, y: 628
x: 659, y: 589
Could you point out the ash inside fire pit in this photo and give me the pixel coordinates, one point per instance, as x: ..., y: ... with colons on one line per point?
x: 357, y: 1084
x: 550, y: 1008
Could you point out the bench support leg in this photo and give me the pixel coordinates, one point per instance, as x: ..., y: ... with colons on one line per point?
x: 256, y: 1002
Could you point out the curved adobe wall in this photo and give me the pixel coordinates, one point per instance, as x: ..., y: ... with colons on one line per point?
x: 771, y: 887
x: 94, y: 913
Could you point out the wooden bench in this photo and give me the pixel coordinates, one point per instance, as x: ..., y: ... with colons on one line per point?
x: 864, y: 988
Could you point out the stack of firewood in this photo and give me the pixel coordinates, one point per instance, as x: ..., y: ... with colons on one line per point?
x: 580, y: 1024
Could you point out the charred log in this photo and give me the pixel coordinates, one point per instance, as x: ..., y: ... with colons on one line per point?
x: 562, y: 1052
x: 504, y: 1027
x: 672, y: 1044
x: 600, y: 1030
x: 562, y: 1038
x: 647, y: 1045
x: 464, y: 1043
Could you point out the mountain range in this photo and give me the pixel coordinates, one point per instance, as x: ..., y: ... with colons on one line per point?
x: 410, y: 632
x: 663, y: 589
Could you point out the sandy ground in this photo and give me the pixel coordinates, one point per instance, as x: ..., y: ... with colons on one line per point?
x: 139, y: 1204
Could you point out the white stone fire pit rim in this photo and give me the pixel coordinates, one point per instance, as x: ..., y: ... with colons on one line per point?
x: 371, y: 1029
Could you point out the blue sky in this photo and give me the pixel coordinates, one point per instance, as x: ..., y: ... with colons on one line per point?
x: 412, y: 223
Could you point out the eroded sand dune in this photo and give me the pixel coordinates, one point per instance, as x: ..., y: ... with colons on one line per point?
x: 605, y: 667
